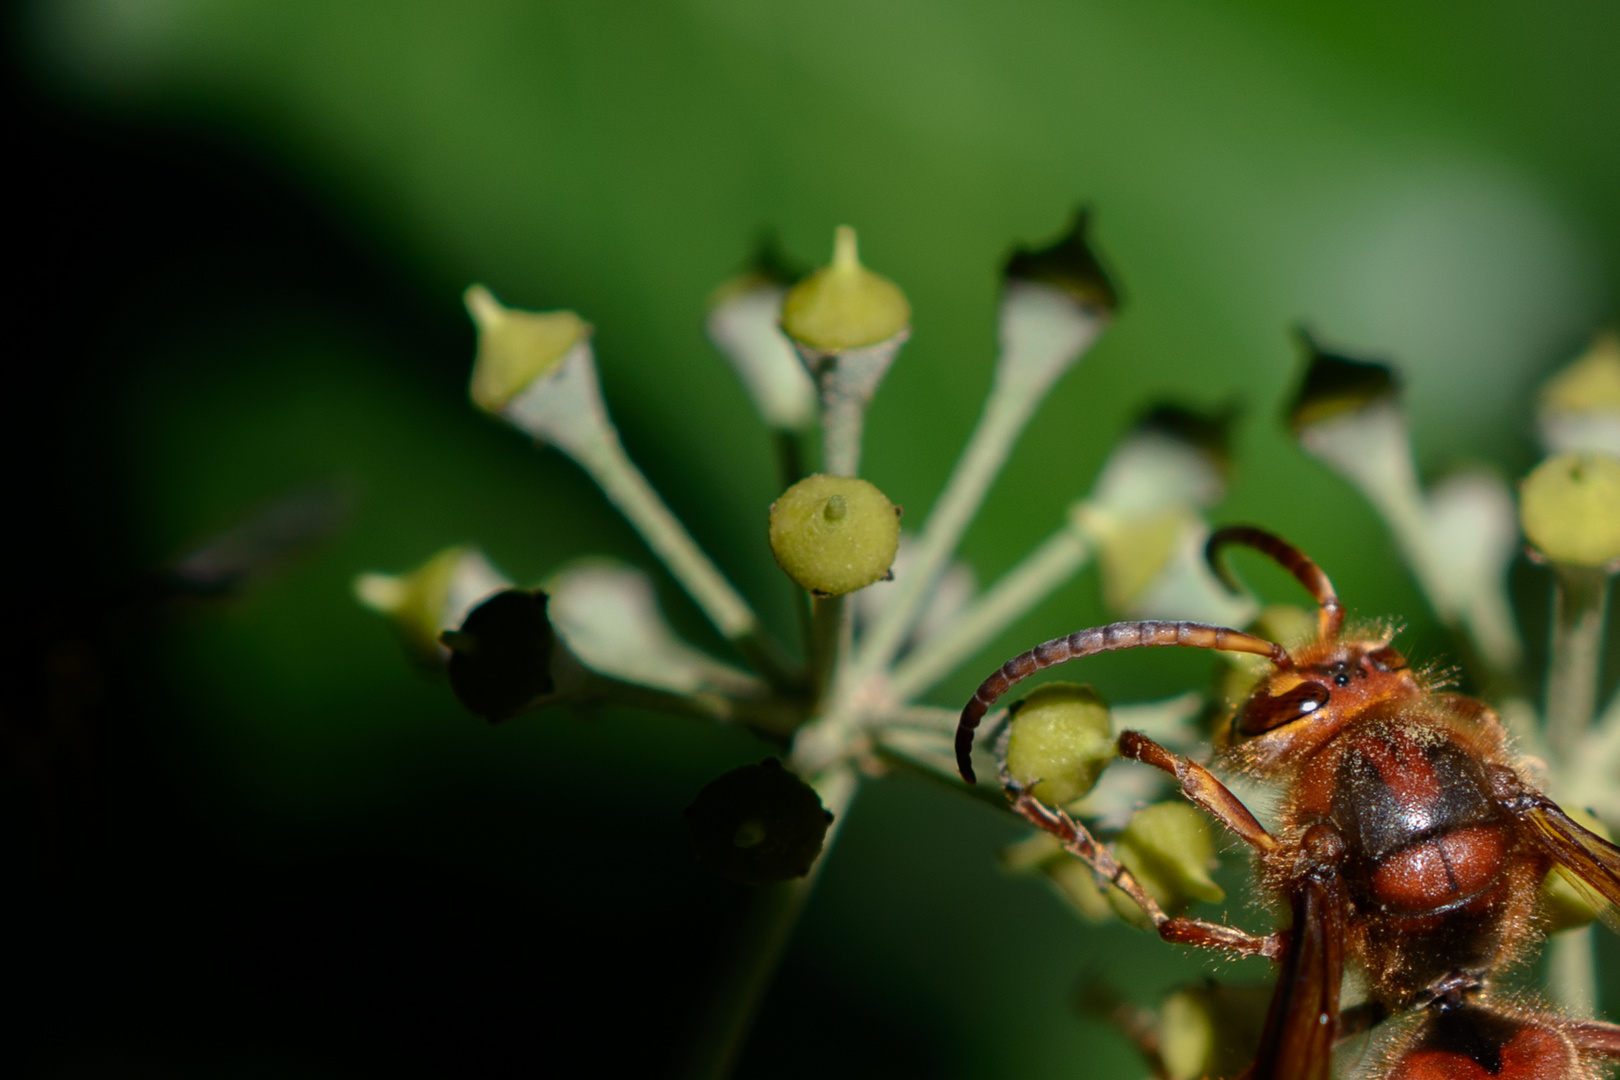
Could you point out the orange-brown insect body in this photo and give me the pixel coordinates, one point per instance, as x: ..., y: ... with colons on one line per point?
x: 1483, y: 1042
x: 1407, y: 842
x: 1438, y: 878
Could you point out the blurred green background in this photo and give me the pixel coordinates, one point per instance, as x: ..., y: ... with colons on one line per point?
x: 275, y: 851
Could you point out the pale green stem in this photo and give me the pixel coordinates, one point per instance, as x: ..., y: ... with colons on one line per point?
x: 1588, y: 780
x: 804, y: 615
x: 1572, y: 972
x: 932, y: 750
x: 1404, y: 516
x: 918, y: 717
x: 1580, y: 600
x: 1485, y: 615
x: 627, y: 488
x: 1489, y: 619
x: 827, y: 739
x: 773, y: 911
x: 703, y: 705
x: 564, y: 408
x: 846, y: 382
x: 1608, y: 729
x: 1042, y: 332
x: 826, y: 629
x: 1011, y: 403
x: 1058, y: 559
x: 843, y: 424
x: 770, y: 716
x: 1372, y: 448
x: 789, y: 471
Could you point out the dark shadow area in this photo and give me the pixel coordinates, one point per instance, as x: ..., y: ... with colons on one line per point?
x: 813, y: 1027
x: 155, y: 934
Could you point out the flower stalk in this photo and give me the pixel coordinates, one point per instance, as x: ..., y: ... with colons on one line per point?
x: 1580, y: 607
x: 627, y: 488
x: 1047, y: 323
x: 1580, y: 604
x: 828, y: 615
x: 848, y: 381
x: 1058, y: 558
x: 561, y: 405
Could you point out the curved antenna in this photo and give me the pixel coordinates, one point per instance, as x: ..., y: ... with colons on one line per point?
x: 1101, y: 639
x: 1329, y: 614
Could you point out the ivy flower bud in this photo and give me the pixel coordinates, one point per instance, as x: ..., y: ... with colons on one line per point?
x: 848, y: 325
x: 834, y: 534
x: 1336, y: 386
x: 608, y: 615
x: 758, y: 824
x: 501, y: 657
x: 1458, y: 540
x: 1569, y: 507
x: 1055, y: 301
x: 1144, y: 513
x: 1348, y: 415
x: 1211, y: 1030
x: 1580, y: 406
x: 1472, y: 520
x: 1069, y: 265
x: 1172, y: 457
x: 1565, y: 904
x: 537, y: 372
x: 844, y: 305
x: 745, y: 325
x: 431, y: 598
x: 1169, y: 848
x: 1075, y: 882
x: 1061, y: 736
x: 517, y: 347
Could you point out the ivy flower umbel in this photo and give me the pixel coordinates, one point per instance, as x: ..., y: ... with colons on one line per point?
x: 811, y: 354
x: 849, y: 702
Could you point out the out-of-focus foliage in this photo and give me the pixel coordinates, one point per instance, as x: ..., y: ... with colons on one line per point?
x: 1430, y: 182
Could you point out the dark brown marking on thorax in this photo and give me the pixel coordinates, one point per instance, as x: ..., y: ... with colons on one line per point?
x: 1396, y: 786
x: 1428, y: 855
